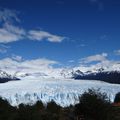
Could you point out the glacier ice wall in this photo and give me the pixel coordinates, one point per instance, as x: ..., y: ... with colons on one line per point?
x: 64, y: 92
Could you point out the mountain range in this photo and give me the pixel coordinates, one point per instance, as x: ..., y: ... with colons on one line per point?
x: 103, y: 73
x: 5, y: 77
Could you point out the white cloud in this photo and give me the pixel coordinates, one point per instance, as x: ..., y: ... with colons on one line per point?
x: 117, y: 52
x: 82, y: 45
x: 10, y: 33
x: 71, y: 61
x: 8, y: 16
x: 12, y: 65
x: 43, y: 35
x: 107, y: 65
x: 95, y: 58
x: 98, y: 61
x: 17, y: 58
x: 4, y: 48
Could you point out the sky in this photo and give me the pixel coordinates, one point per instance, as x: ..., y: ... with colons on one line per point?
x: 59, y: 33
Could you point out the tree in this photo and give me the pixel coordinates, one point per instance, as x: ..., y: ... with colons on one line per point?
x: 94, y: 105
x: 53, y: 110
x: 117, y: 98
x: 7, y: 112
x: 53, y: 107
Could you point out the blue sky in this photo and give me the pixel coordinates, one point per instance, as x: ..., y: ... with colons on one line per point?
x: 67, y: 31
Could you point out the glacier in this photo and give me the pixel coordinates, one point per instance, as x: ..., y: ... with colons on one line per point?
x: 63, y: 91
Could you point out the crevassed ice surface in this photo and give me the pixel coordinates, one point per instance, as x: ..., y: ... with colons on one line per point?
x: 63, y: 92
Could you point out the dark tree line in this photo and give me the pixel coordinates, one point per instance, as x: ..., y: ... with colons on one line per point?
x: 93, y: 105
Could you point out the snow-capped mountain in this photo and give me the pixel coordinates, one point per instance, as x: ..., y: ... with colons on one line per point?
x: 4, y: 74
x: 31, y: 75
x: 5, y: 77
x: 62, y: 91
x: 108, y: 73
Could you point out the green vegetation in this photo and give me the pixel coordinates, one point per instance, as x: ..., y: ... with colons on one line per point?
x: 93, y: 105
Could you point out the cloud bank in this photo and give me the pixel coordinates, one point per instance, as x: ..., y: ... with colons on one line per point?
x: 117, y: 52
x: 95, y: 58
x: 8, y: 16
x: 16, y: 64
x: 41, y: 35
x: 11, y: 33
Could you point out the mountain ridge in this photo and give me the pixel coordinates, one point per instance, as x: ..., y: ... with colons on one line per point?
x: 5, y: 77
x: 106, y: 73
